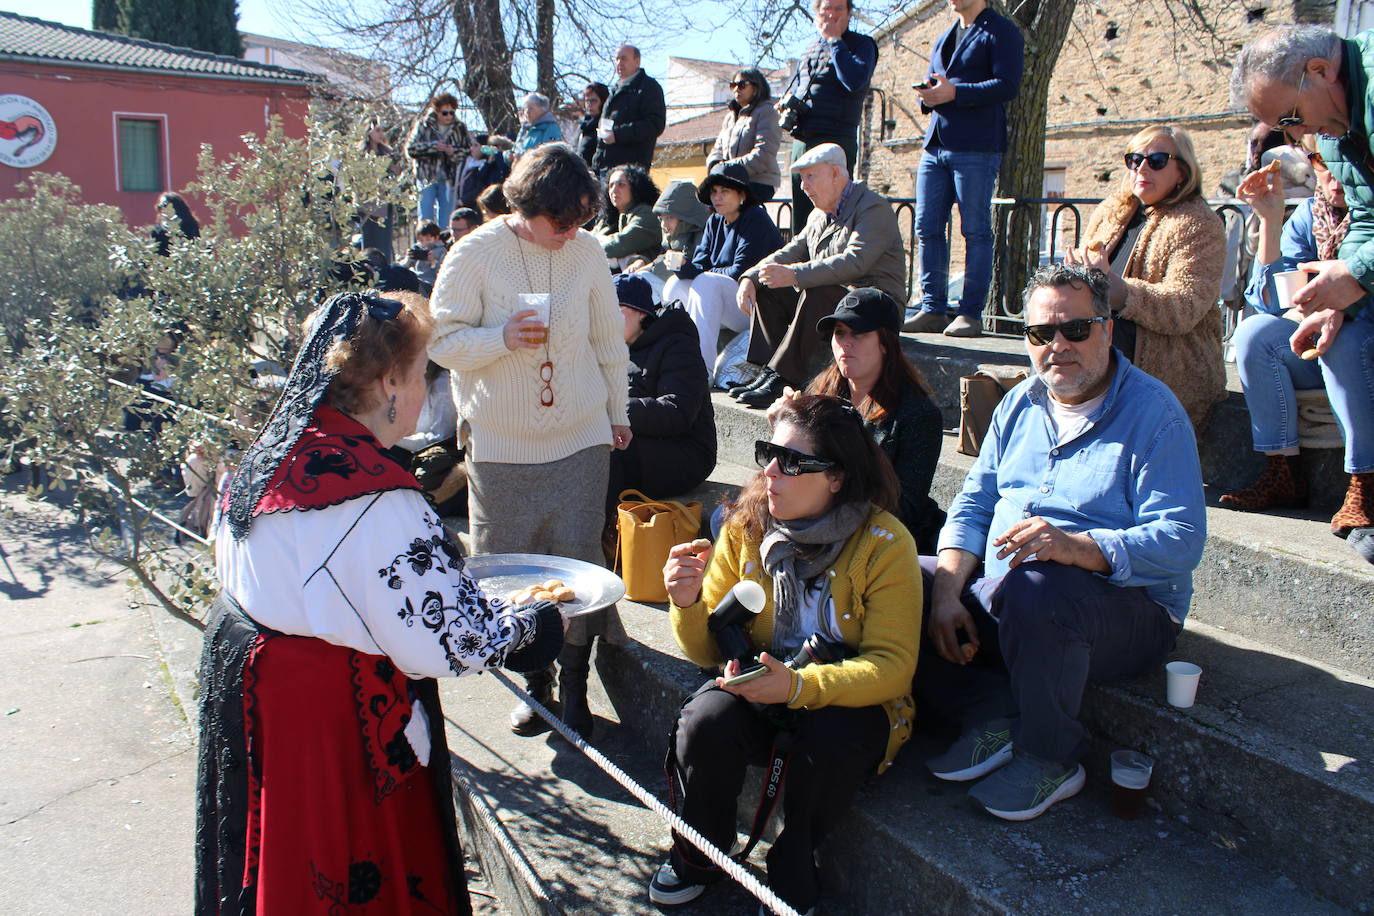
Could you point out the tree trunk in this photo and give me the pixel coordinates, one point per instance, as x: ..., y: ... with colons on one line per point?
x: 543, y: 51
x: 1016, y: 240
x: 487, y: 61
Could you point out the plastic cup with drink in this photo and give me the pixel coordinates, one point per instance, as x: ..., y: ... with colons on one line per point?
x: 539, y: 303
x: 1130, y: 778
x: 1181, y: 684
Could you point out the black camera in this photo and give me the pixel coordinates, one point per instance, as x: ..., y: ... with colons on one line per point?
x: 820, y: 650
x: 928, y: 84
x: 792, y: 108
x: 727, y: 621
x: 419, y: 253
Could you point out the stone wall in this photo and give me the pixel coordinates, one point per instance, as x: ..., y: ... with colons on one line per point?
x: 1124, y: 65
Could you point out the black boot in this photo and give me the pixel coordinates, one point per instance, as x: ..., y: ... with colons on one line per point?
x: 765, y: 376
x: 524, y: 721
x: 765, y: 395
x: 574, y: 664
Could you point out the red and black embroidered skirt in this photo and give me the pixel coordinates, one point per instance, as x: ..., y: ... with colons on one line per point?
x: 309, y: 797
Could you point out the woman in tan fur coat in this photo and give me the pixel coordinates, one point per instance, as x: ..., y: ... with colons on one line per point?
x: 1163, y: 248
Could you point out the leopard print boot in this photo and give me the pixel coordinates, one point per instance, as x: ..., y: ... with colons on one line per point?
x: 1281, y: 486
x: 1359, y: 503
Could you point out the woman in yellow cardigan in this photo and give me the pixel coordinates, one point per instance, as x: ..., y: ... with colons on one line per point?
x: 812, y: 529
x: 1163, y: 248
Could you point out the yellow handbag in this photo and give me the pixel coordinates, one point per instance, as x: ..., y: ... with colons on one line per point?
x: 648, y: 529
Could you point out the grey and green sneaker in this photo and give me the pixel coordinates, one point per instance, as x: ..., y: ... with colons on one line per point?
x: 978, y: 751
x: 1027, y: 787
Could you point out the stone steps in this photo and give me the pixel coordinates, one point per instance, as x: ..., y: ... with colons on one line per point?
x: 912, y: 844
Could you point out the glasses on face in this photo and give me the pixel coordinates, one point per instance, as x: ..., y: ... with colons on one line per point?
x: 790, y: 461
x: 738, y: 84
x: 1076, y: 331
x: 446, y: 113
x: 1295, y: 119
x: 546, y: 376
x: 1156, y: 161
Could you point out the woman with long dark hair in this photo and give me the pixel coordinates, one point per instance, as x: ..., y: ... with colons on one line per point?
x: 750, y: 133
x: 870, y: 370
x: 838, y: 574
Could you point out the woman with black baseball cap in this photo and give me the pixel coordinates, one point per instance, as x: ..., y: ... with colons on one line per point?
x: 870, y: 370
x: 739, y: 233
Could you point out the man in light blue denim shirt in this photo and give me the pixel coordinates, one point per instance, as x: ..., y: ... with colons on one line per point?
x: 1068, y: 556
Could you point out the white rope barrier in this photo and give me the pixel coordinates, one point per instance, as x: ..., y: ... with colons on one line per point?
x: 732, y: 868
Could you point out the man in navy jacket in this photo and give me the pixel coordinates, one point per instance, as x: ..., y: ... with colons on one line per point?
x: 975, y: 69
x: 632, y: 118
x: 830, y: 86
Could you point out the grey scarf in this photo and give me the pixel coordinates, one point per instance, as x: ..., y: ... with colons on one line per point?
x: 797, y: 551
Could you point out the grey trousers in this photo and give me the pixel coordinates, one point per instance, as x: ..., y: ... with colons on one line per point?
x: 555, y: 508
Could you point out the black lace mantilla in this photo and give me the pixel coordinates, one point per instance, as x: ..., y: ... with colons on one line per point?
x: 304, y: 390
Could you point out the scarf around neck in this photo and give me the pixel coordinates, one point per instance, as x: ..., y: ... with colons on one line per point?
x: 797, y: 551
x: 1329, y: 226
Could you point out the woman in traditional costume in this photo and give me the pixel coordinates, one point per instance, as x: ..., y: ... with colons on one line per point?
x: 323, y: 779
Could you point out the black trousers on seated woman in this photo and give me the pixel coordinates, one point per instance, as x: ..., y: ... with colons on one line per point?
x: 720, y: 734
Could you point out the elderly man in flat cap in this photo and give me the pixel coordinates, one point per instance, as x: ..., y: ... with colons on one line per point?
x: 850, y: 240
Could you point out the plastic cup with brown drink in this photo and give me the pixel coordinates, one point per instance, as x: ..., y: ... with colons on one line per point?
x: 539, y: 303
x: 1130, y: 779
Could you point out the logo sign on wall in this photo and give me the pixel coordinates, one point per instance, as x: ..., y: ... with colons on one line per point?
x: 27, y: 132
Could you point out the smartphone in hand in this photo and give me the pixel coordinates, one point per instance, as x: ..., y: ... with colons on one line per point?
x: 746, y: 676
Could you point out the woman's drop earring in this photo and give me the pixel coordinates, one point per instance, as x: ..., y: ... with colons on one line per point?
x: 391, y: 411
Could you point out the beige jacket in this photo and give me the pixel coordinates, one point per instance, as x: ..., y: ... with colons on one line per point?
x: 862, y: 246
x: 750, y: 138
x: 1174, y: 281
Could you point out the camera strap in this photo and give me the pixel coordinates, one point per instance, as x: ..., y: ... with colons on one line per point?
x: 776, y: 773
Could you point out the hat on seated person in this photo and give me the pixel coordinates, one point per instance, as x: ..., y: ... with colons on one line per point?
x: 863, y: 310
x: 727, y: 175
x: 825, y: 154
x: 634, y: 292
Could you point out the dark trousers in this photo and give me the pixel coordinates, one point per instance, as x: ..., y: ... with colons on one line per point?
x: 719, y: 734
x: 801, y: 204
x: 782, y: 330
x: 1045, y: 630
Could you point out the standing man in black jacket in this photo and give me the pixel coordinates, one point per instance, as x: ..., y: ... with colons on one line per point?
x: 632, y: 117
x: 825, y: 100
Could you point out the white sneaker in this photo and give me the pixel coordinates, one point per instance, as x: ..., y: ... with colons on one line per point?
x: 667, y: 889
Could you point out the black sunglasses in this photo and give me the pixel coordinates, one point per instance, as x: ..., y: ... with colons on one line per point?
x: 446, y: 111
x: 1157, y: 161
x: 1076, y: 331
x: 790, y: 461
x: 736, y: 84
x: 1295, y: 119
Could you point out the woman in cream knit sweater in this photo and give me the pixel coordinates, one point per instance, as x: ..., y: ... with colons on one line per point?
x: 525, y: 316
x: 1163, y: 249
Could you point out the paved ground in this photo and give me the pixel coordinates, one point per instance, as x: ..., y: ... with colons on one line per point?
x: 97, y: 797
x: 96, y: 804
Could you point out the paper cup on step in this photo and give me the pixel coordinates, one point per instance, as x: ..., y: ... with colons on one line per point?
x: 1288, y: 282
x: 1182, y: 683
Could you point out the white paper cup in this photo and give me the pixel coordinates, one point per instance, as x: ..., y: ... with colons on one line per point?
x: 674, y: 259
x: 1288, y: 282
x: 1182, y: 683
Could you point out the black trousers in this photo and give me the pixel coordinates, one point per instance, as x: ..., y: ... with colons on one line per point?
x: 782, y: 330
x: 1045, y: 630
x: 719, y: 734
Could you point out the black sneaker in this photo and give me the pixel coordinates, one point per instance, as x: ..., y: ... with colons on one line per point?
x: 667, y: 889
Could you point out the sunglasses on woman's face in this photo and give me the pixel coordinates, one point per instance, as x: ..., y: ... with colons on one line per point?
x: 1076, y: 331
x: 790, y: 461
x: 1156, y: 161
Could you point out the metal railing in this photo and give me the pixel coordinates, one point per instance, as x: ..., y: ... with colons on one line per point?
x: 1048, y: 226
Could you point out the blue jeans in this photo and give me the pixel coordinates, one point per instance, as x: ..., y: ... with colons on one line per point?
x: 436, y: 202
x: 1271, y: 373
x: 944, y: 177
